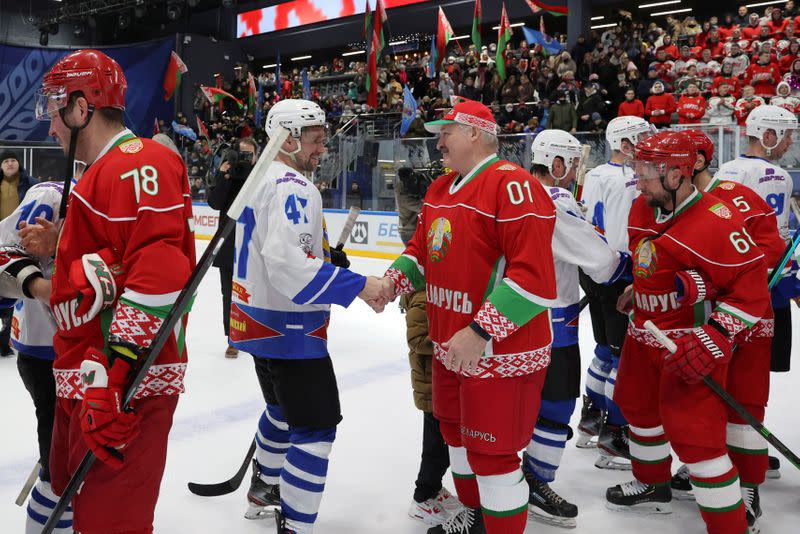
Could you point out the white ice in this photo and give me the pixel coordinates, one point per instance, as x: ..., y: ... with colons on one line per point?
x: 375, y: 458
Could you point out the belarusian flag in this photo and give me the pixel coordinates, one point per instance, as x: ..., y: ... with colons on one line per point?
x: 372, y: 73
x: 366, y: 32
x: 476, y: 25
x: 538, y: 6
x: 215, y: 95
x: 251, y: 93
x: 202, y: 131
x: 503, y: 38
x: 444, y: 33
x: 172, y: 76
x: 380, y: 18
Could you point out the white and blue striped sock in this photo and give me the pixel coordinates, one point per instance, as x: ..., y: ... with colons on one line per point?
x: 272, y: 440
x: 597, y: 375
x: 549, y: 439
x: 303, y: 477
x: 41, y: 504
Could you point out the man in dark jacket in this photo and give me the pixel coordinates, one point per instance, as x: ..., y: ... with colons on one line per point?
x: 562, y: 114
x: 230, y: 179
x: 14, y: 183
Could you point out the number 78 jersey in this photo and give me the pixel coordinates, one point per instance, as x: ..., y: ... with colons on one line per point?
x: 771, y: 182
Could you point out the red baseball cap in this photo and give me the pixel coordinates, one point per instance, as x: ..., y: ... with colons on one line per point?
x: 467, y: 112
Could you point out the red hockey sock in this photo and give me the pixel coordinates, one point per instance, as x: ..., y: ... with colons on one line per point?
x: 467, y: 489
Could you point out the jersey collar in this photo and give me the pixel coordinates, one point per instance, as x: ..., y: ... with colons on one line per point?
x: 121, y: 137
x: 460, y: 182
x: 745, y: 156
x: 683, y: 206
x: 712, y: 184
x: 614, y: 164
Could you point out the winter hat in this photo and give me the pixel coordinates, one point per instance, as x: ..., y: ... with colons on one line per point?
x: 8, y: 154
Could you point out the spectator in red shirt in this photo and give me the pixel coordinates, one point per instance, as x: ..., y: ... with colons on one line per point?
x: 763, y: 75
x: 726, y: 77
x: 631, y: 105
x: 746, y: 104
x: 691, y: 106
x: 753, y: 29
x: 714, y: 44
x: 660, y: 106
x: 668, y: 47
x: 777, y: 24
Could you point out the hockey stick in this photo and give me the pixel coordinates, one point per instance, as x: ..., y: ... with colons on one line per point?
x: 355, y: 211
x: 186, y: 295
x: 580, y: 174
x: 777, y: 272
x: 230, y: 485
x: 26, y: 489
x: 729, y: 400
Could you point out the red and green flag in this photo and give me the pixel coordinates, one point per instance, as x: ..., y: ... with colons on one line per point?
x: 444, y: 33
x: 378, y: 21
x: 176, y: 68
x: 251, y: 93
x: 476, y: 25
x: 538, y: 6
x: 366, y: 32
x: 216, y: 96
x: 372, y: 74
x: 503, y: 38
x: 202, y: 131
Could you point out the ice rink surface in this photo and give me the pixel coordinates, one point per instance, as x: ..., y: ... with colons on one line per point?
x: 376, y: 455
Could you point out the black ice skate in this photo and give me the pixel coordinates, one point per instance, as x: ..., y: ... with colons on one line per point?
x: 681, y: 486
x: 752, y: 508
x: 613, y: 447
x: 589, y: 427
x: 547, y: 506
x: 263, y: 499
x: 280, y: 524
x: 467, y: 521
x: 638, y: 497
x: 773, y: 470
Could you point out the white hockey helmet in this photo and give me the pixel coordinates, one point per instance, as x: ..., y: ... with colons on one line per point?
x: 634, y: 129
x: 767, y: 117
x: 294, y: 115
x: 551, y: 143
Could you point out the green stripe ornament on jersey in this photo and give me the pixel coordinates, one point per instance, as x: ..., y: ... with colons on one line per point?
x: 412, y: 271
x: 515, y: 307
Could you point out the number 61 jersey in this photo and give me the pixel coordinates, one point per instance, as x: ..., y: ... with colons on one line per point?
x: 283, y: 281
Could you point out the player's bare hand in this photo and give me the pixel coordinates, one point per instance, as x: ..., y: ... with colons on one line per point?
x: 388, y: 290
x: 464, y: 351
x: 225, y: 167
x: 377, y: 305
x: 373, y: 289
x: 39, y: 239
x: 40, y: 289
x: 625, y: 301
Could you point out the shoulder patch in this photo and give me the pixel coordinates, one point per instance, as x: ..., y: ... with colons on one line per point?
x: 721, y: 211
x: 507, y: 167
x: 131, y: 146
x: 727, y: 186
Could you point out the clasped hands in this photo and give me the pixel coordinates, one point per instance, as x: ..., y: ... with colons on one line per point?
x: 378, y: 292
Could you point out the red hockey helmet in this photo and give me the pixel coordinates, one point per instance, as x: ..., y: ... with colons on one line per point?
x: 702, y: 143
x: 99, y: 77
x: 664, y: 151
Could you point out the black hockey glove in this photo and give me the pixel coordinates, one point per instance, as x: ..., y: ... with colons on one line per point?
x: 339, y: 258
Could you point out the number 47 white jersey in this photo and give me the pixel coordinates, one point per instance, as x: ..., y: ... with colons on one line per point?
x: 771, y: 182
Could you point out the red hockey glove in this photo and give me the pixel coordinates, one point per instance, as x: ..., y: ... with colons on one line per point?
x: 698, y: 353
x: 692, y: 287
x: 17, y: 270
x: 106, y: 428
x: 95, y: 278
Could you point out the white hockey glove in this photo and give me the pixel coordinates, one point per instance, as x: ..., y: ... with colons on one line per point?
x: 17, y: 270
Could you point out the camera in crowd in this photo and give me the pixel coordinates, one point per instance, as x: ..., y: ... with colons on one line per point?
x: 416, y: 181
x: 240, y: 162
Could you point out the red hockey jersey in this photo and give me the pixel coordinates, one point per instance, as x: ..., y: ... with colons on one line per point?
x: 708, y: 236
x: 482, y: 251
x: 691, y: 109
x: 134, y: 200
x: 732, y: 81
x: 744, y: 106
x: 763, y: 78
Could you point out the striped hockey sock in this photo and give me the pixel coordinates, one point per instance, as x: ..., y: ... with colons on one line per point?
x: 748, y: 452
x: 272, y: 440
x: 549, y: 439
x: 716, y: 488
x: 303, y: 476
x: 596, y: 376
x: 464, y: 478
x: 40, y: 506
x: 504, y: 501
x: 615, y: 416
x: 650, y: 457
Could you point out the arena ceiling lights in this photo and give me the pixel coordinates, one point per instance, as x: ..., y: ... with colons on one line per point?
x: 672, y: 12
x: 759, y: 4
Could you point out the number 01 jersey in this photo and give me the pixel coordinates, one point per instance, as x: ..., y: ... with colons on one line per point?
x: 483, y: 252
x: 283, y: 281
x: 133, y: 201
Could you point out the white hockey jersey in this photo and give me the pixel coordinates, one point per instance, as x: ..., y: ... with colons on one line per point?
x: 608, y: 194
x: 576, y: 244
x: 283, y: 281
x: 719, y: 110
x: 771, y: 182
x: 32, y: 326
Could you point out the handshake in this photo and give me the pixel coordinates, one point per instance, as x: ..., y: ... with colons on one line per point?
x: 378, y: 292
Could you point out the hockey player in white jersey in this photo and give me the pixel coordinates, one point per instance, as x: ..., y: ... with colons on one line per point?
x: 608, y: 194
x: 769, y: 132
x: 32, y: 330
x: 556, y: 155
x: 283, y: 286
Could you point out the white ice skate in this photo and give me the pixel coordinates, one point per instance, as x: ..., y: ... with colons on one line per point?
x: 614, y: 463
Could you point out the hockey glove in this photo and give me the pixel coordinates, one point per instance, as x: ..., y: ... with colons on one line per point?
x: 17, y: 270
x: 699, y: 352
x: 95, y: 277
x: 693, y: 288
x: 106, y: 428
x: 339, y: 257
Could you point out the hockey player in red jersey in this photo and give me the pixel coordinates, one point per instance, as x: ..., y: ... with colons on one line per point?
x: 129, y: 216
x: 482, y: 250
x: 674, y: 228
x: 748, y: 372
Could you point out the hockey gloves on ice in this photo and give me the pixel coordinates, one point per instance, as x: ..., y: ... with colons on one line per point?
x: 95, y: 278
x: 106, y: 428
x: 699, y: 352
x: 17, y: 269
x: 339, y: 258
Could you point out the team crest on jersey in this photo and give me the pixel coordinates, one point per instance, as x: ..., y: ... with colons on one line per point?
x: 306, y: 242
x: 440, y: 234
x: 727, y: 186
x: 721, y: 210
x: 507, y: 167
x: 644, y: 259
x: 131, y: 146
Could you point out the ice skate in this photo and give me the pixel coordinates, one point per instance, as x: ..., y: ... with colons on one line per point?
x: 547, y: 506
x: 263, y: 499
x: 467, y: 521
x: 612, y: 444
x: 773, y: 470
x: 280, y: 524
x: 752, y: 508
x: 681, y: 486
x: 589, y: 426
x: 638, y: 497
